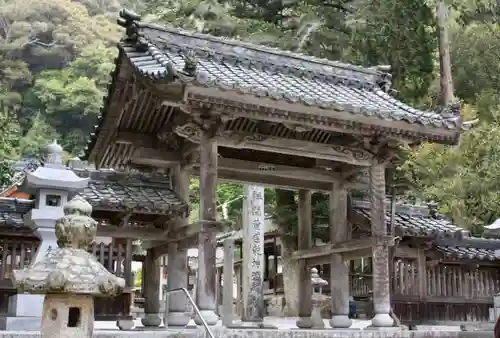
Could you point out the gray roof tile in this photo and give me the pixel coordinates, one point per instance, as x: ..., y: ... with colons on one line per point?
x: 354, y: 92
x: 129, y: 192
x: 12, y: 211
x: 414, y: 221
x: 467, y: 253
x: 162, y: 53
x: 448, y: 239
x: 469, y: 248
x: 134, y: 192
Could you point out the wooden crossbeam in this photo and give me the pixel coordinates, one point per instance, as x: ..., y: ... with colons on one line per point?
x: 341, y: 247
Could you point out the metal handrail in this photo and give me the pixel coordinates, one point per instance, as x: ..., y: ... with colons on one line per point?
x: 196, y: 309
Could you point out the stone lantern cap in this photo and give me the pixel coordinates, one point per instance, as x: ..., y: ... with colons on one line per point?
x: 70, y: 268
x: 53, y: 174
x: 316, y: 280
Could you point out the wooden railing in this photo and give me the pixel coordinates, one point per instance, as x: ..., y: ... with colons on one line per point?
x: 111, y: 256
x: 405, y: 278
x: 441, y: 311
x: 361, y: 285
x: 15, y: 254
x: 462, y: 281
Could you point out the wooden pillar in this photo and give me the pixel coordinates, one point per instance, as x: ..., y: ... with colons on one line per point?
x: 127, y: 268
x: 218, y: 289
x: 151, y: 277
x: 275, y: 271
x: 177, y: 269
x: 339, y: 269
x: 381, y: 278
x: 422, y: 274
x: 205, y: 291
x: 253, y: 254
x: 227, y: 289
x: 239, y: 301
x: 125, y: 320
x: 304, y: 242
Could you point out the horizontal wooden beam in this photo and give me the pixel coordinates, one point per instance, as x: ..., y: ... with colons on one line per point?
x: 347, y: 256
x: 161, y: 248
x: 405, y: 252
x: 273, y: 144
x: 275, y: 170
x: 270, y: 181
x: 342, y: 247
x: 185, y: 236
x: 150, y: 234
x: 155, y: 157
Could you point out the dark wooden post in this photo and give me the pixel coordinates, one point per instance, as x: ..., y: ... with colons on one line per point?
x: 304, y: 242
x: 205, y: 290
x: 275, y: 267
x: 177, y: 269
x: 126, y: 321
x: 381, y: 281
x: 339, y: 270
x: 151, y: 269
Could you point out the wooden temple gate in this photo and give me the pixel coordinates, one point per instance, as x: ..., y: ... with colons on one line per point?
x: 190, y: 104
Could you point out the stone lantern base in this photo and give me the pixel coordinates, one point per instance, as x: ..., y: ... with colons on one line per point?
x: 67, y: 315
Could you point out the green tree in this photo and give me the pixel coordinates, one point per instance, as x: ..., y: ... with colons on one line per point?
x: 71, y: 98
x: 138, y: 278
x: 9, y: 136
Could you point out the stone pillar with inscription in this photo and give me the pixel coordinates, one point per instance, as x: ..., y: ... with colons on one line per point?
x: 381, y: 292
x: 339, y: 270
x: 253, y: 254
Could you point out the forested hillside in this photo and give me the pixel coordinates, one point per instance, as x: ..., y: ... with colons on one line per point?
x: 56, y: 56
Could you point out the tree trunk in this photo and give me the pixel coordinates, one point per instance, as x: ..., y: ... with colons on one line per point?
x: 446, y: 82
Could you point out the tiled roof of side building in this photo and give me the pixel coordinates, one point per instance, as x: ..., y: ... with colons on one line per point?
x: 137, y: 192
x: 127, y: 191
x: 469, y: 248
x: 415, y: 221
x: 448, y: 239
x: 12, y: 211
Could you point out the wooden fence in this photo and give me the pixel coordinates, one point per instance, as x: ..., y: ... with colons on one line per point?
x: 452, y: 292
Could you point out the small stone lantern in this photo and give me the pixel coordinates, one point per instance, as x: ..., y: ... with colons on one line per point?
x: 69, y: 276
x: 317, y: 284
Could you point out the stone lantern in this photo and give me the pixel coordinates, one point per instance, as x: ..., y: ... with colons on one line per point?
x: 69, y: 276
x: 52, y: 184
x: 317, y: 284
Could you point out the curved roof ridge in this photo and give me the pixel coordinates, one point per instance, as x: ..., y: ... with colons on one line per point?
x: 261, y: 48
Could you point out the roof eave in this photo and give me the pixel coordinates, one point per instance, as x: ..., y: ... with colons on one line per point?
x: 420, y: 131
